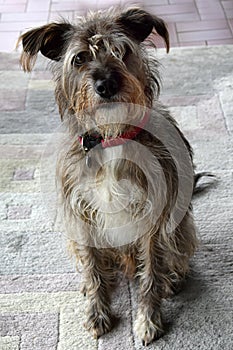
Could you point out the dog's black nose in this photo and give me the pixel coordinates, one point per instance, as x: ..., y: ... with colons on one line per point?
x: 106, y: 88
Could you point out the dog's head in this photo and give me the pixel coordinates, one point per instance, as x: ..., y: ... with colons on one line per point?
x: 100, y: 59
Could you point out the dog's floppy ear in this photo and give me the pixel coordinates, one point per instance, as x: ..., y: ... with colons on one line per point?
x: 139, y: 24
x: 49, y: 39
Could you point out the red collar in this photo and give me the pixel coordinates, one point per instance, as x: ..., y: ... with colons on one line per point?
x: 89, y: 141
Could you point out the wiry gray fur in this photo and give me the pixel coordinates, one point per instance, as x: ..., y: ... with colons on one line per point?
x: 112, y: 43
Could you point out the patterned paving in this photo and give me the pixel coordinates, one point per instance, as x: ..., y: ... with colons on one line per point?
x: 41, y: 307
x: 190, y: 22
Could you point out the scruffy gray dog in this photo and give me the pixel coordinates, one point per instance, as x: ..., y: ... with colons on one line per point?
x: 107, y: 87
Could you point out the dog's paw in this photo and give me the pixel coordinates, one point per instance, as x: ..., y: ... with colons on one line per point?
x: 98, y: 323
x: 147, y: 329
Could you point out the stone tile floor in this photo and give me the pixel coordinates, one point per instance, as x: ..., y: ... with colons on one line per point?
x: 190, y: 22
x: 41, y: 307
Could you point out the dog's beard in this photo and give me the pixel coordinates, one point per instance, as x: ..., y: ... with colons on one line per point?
x: 111, y: 120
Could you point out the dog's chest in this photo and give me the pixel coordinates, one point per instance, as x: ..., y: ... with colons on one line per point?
x: 108, y: 185
x: 116, y: 201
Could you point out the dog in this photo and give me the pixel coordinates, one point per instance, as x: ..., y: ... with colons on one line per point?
x: 119, y: 172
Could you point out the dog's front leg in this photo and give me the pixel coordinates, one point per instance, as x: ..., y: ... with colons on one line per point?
x: 98, y: 278
x: 148, y: 324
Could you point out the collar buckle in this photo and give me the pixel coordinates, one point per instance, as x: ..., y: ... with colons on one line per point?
x: 90, y: 141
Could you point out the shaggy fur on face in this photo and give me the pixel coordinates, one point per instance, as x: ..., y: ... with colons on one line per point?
x: 119, y: 199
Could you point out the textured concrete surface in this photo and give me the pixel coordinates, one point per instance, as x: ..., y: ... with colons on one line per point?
x: 40, y: 304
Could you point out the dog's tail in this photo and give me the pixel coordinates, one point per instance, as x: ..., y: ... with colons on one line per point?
x: 203, y: 181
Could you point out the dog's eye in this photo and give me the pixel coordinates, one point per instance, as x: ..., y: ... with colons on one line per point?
x: 81, y: 58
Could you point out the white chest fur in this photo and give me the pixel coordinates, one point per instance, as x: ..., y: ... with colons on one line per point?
x: 120, y: 210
